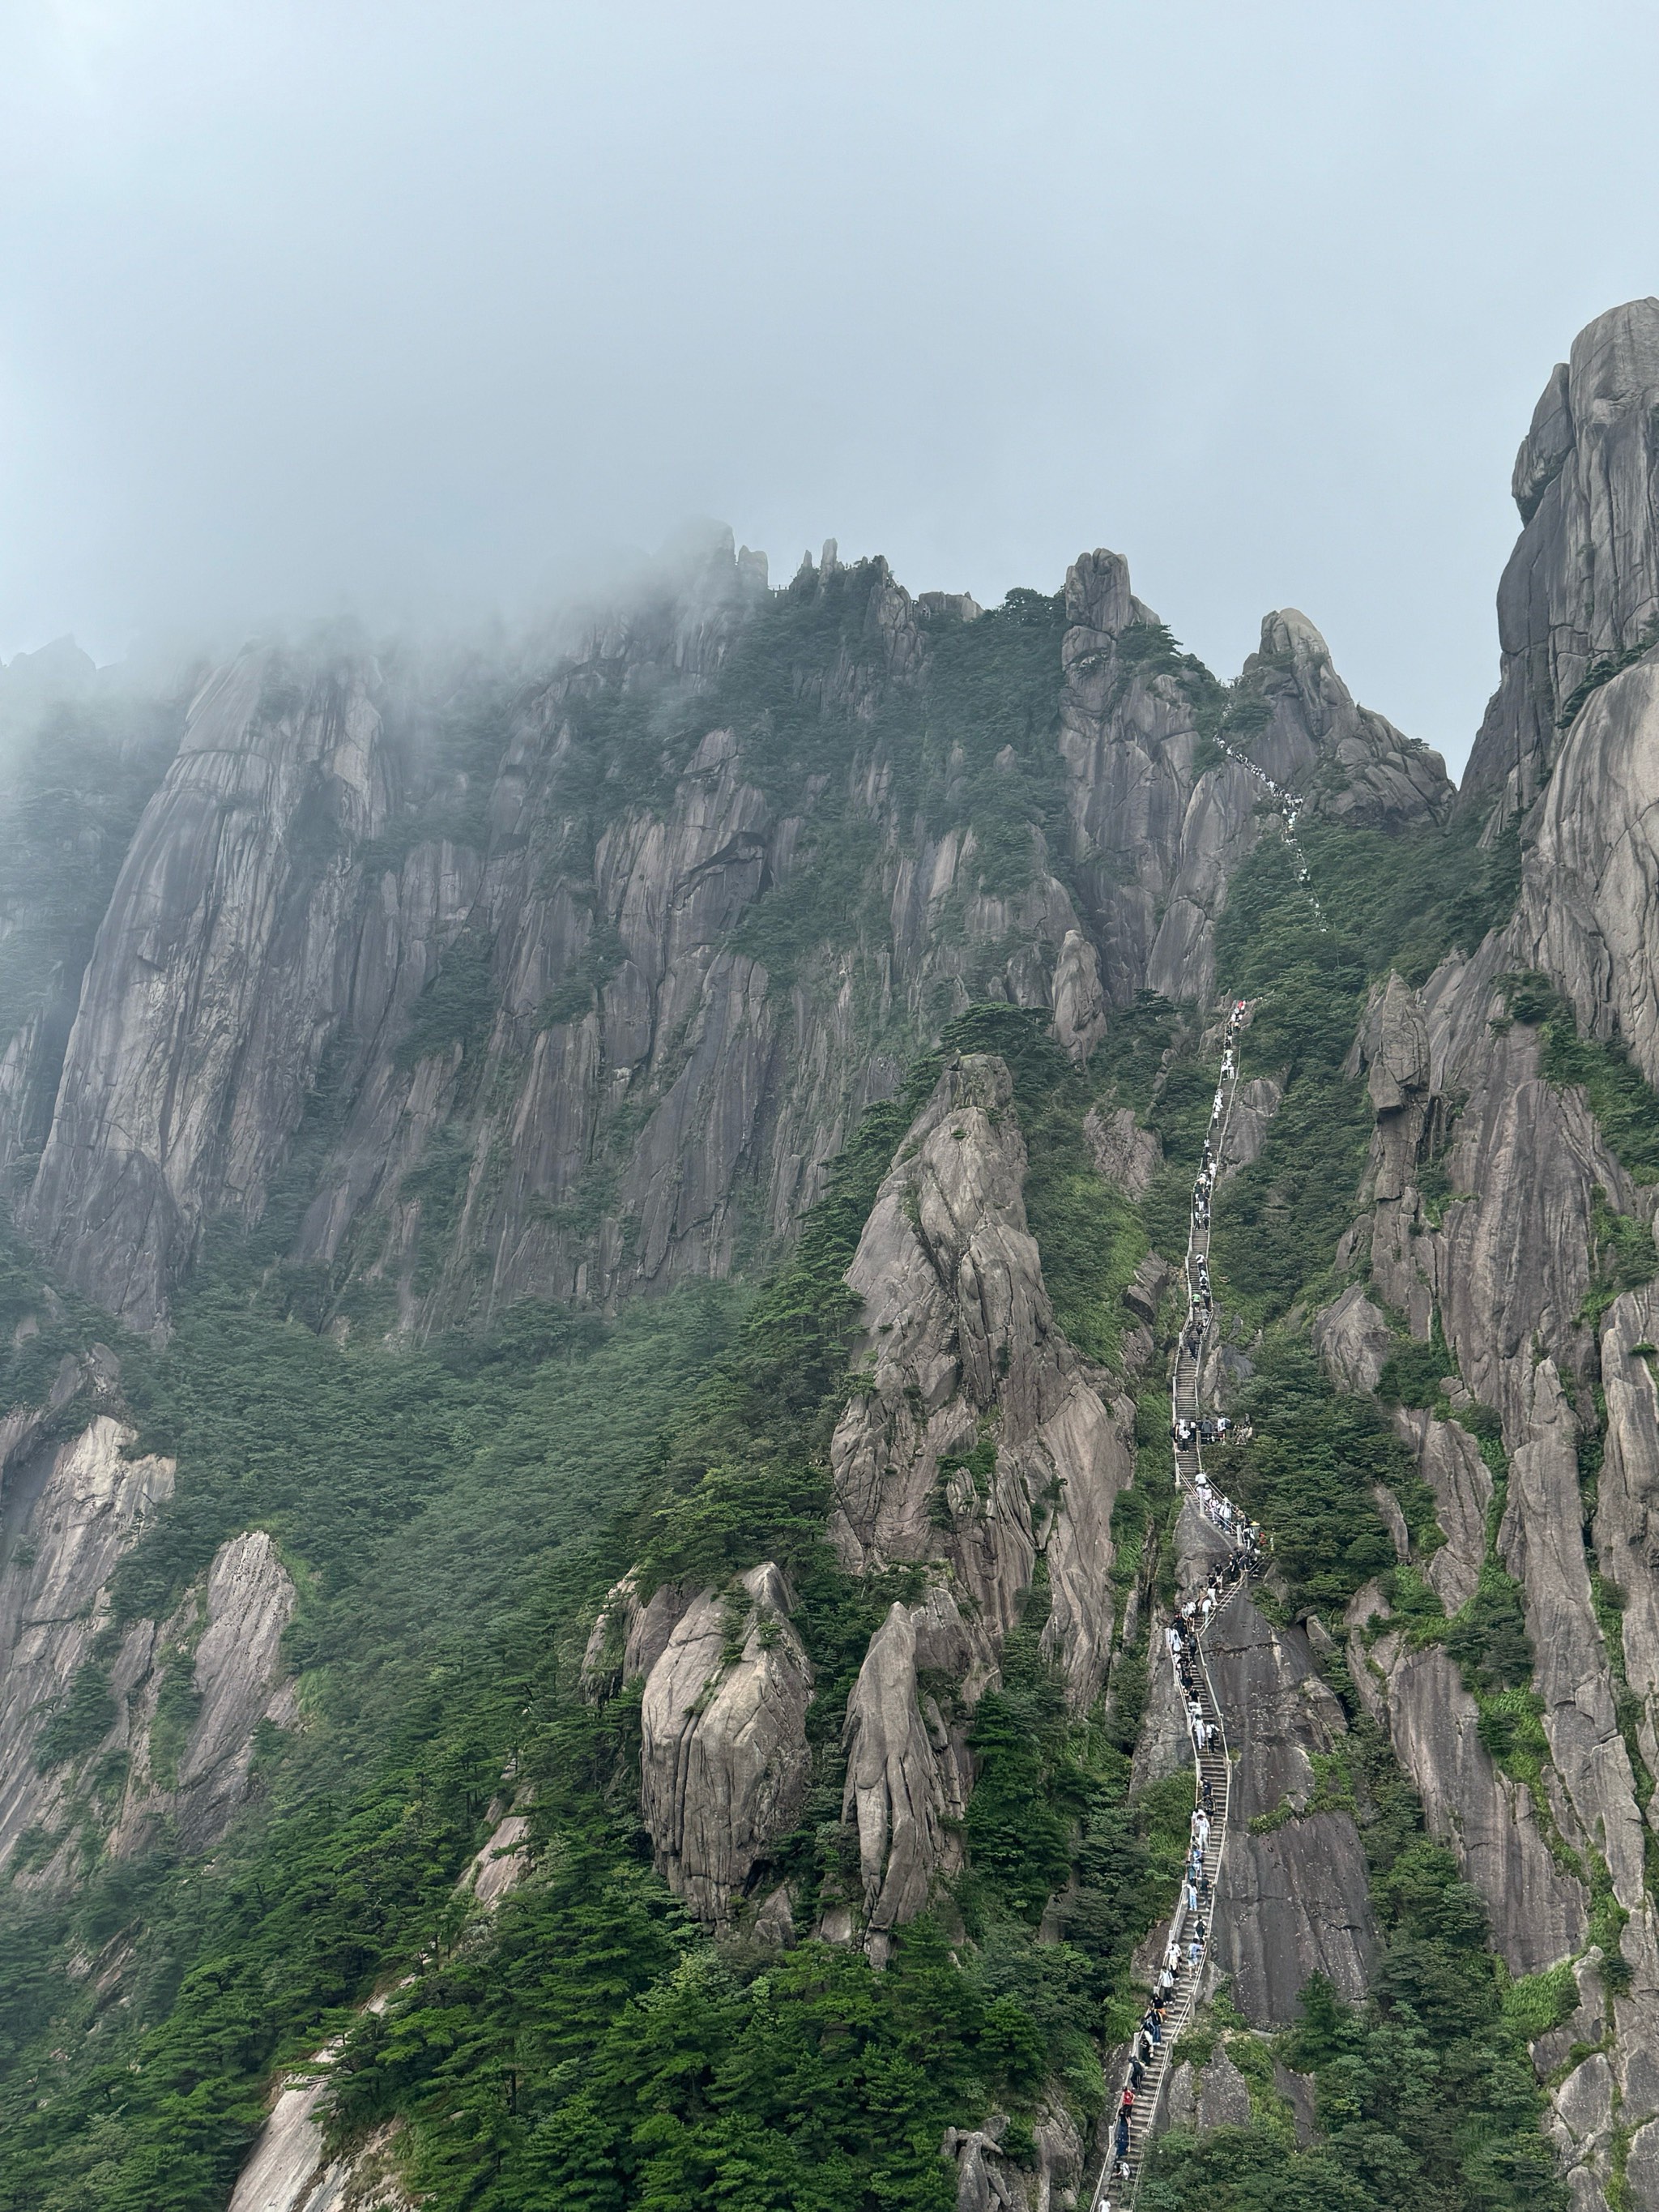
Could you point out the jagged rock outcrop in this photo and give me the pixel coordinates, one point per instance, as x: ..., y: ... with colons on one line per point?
x: 1449, y: 1460
x: 1589, y: 903
x: 1080, y: 1007
x: 1254, y: 1103
x: 1162, y: 819
x: 724, y: 1766
x: 908, y: 1770
x: 988, y: 2180
x: 628, y: 1638
x: 1302, y: 726
x: 72, y: 1509
x: 1582, y: 586
x: 1215, y: 2094
x: 232, y: 1635
x: 1299, y: 725
x: 503, y: 1860
x: 1626, y: 1527
x: 980, y: 1438
x: 79, y: 1693
x: 1124, y: 1153
x: 1156, y: 833
x: 1538, y: 1910
x: 1353, y: 1340
x: 977, y: 1440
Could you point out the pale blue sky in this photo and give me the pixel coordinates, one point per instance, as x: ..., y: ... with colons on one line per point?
x: 411, y: 305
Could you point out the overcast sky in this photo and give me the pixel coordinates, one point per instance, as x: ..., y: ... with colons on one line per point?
x: 404, y: 306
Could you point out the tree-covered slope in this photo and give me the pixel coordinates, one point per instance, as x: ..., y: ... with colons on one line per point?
x: 585, y: 1474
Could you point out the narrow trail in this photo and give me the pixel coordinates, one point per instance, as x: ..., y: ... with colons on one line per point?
x: 1185, y: 1939
x: 1289, y: 807
x: 1133, y: 2121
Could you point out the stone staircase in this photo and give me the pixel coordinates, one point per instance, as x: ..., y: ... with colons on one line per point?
x: 1120, y: 2175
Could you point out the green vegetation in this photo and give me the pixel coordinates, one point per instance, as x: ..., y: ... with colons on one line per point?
x: 1309, y: 1475
x: 435, y: 1644
x: 454, y: 1510
x: 1488, y: 1639
x: 1275, y: 1237
x: 596, y: 2057
x: 1409, y: 901
x: 1603, y: 669
x: 1413, y: 1372
x: 1533, y: 2004
x: 1425, y: 2096
x: 84, y: 1719
x: 74, y: 790
x: 456, y: 1007
x: 1625, y: 1107
x: 578, y: 994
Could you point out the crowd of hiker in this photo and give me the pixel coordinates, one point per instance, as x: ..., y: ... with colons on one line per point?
x: 1175, y: 1982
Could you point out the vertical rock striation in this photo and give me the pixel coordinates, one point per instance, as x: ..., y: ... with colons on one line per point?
x: 216, y: 981
x: 723, y: 1760
x: 1582, y: 586
x: 980, y: 1437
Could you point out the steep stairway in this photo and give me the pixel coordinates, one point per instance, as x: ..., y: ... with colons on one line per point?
x: 1185, y: 1939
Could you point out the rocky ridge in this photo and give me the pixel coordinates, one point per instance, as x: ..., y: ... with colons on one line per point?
x: 167, y: 1733
x: 1505, y: 1255
x: 1581, y: 590
x: 614, y: 1089
x: 977, y: 1443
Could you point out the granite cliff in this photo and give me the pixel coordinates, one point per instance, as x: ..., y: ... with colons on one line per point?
x: 818, y: 988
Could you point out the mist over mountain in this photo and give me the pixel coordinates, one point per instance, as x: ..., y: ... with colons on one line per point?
x: 773, y: 1346
x: 305, y: 315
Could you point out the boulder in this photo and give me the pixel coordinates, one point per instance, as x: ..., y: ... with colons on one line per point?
x: 724, y: 1765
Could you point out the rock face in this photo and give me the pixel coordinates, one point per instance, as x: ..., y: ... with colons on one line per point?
x: 289, y: 2171
x: 1210, y: 2096
x: 571, y: 1015
x: 1293, y: 1898
x: 1511, y: 1256
x: 1508, y: 1259
x: 1079, y: 1009
x: 1449, y: 1460
x: 723, y: 1762
x: 74, y: 1508
x: 1352, y: 1339
x: 1162, y: 818
x: 236, y: 1679
x: 1155, y: 833
x: 1537, y: 1912
x: 1582, y: 586
x: 1302, y: 726
x: 1124, y: 1153
x: 1590, y: 882
x: 909, y: 1773
x: 216, y: 980
x: 71, y: 1512
x: 980, y: 1438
